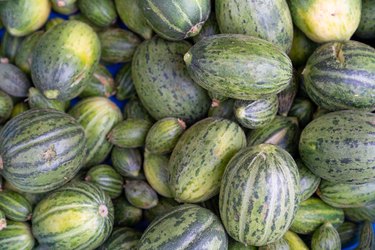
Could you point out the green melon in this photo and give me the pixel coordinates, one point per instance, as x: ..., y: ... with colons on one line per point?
x: 100, y: 12
x: 15, y: 206
x: 16, y: 236
x: 326, y: 237
x: 126, y: 214
x: 122, y: 238
x: 127, y: 161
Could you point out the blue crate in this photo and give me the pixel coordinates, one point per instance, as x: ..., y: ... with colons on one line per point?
x: 114, y: 68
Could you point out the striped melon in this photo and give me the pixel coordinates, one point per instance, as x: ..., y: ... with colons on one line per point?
x: 41, y: 150
x: 367, y: 237
x: 127, y: 161
x: 97, y: 115
x: 199, y: 159
x: 348, y: 232
x: 16, y: 236
x: 76, y: 216
x: 15, y: 206
x: 308, y: 181
x: 100, y: 12
x: 259, y: 194
x: 359, y: 214
x: 185, y: 227
x: 122, y: 239
x: 340, y: 75
x: 312, y: 213
x: 176, y: 20
x: 303, y: 109
x: 340, y: 147
x: 65, y: 7
x: 107, y: 179
x: 326, y: 238
x: 124, y: 83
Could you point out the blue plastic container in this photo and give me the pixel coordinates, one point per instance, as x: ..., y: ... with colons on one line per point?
x: 114, y: 68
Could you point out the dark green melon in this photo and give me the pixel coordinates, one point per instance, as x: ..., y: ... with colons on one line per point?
x: 303, y: 109
x: 186, y: 226
x: 223, y: 109
x: 345, y: 195
x: 135, y: 109
x: 107, y: 179
x: 41, y: 149
x: 16, y: 236
x: 258, y: 113
x: 126, y: 214
x: 340, y: 75
x: 199, y: 159
x: 124, y: 83
x: 76, y: 60
x: 127, y: 161
x: 100, y: 12
x: 131, y: 14
x: 312, y: 213
x: 359, y: 214
x: 6, y: 106
x: 80, y: 17
x: 76, y: 216
x: 302, y: 48
x: 348, y: 232
x: 282, y: 131
x: 118, y: 45
x: 160, y: 78
x: 37, y: 100
x: 23, y: 57
x: 164, y: 134
x: 13, y: 81
x: 9, y: 47
x: 140, y: 194
x: 122, y: 238
x: 339, y: 147
x: 22, y: 17
x: 176, y: 20
x: 65, y: 7
x: 326, y: 237
x: 259, y: 194
x: 97, y: 115
x: 164, y: 206
x: 15, y: 206
x: 267, y: 19
x: 239, y: 66
x: 325, y: 21
x: 100, y: 84
x: 366, y: 27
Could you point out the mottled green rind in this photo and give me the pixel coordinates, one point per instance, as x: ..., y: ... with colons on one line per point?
x: 155, y: 168
x: 366, y: 27
x: 140, y: 194
x: 68, y: 6
x: 163, y: 83
x: 124, y: 83
x: 126, y: 161
x: 367, y: 237
x: 163, y: 135
x: 303, y: 109
x: 100, y: 84
x: 324, y: 21
x: 302, y: 48
x: 41, y: 150
x: 308, y: 181
x: 135, y: 109
x: 186, y: 226
x: 176, y: 20
x: 267, y: 19
x: 282, y: 131
x: 76, y: 59
x: 97, y: 115
x: 278, y: 245
x: 339, y: 147
x: 37, y: 100
x: 122, y: 238
x: 326, y: 237
x: 259, y: 194
x: 359, y: 214
x: 16, y: 236
x: 126, y: 215
x: 312, y: 213
x: 23, y: 56
x: 23, y: 17
x: 164, y: 206
x: 15, y: 206
x: 256, y: 114
x: 199, y: 159
x: 130, y: 133
x: 73, y: 217
x: 286, y: 97
x: 345, y: 195
x: 239, y: 66
x: 107, y: 179
x: 294, y: 241
x: 223, y: 109
x: 100, y: 12
x: 6, y: 106
x: 131, y: 14
x: 9, y: 46
x: 340, y: 75
x: 348, y: 231
x: 13, y: 81
x: 209, y: 28
x: 118, y: 45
